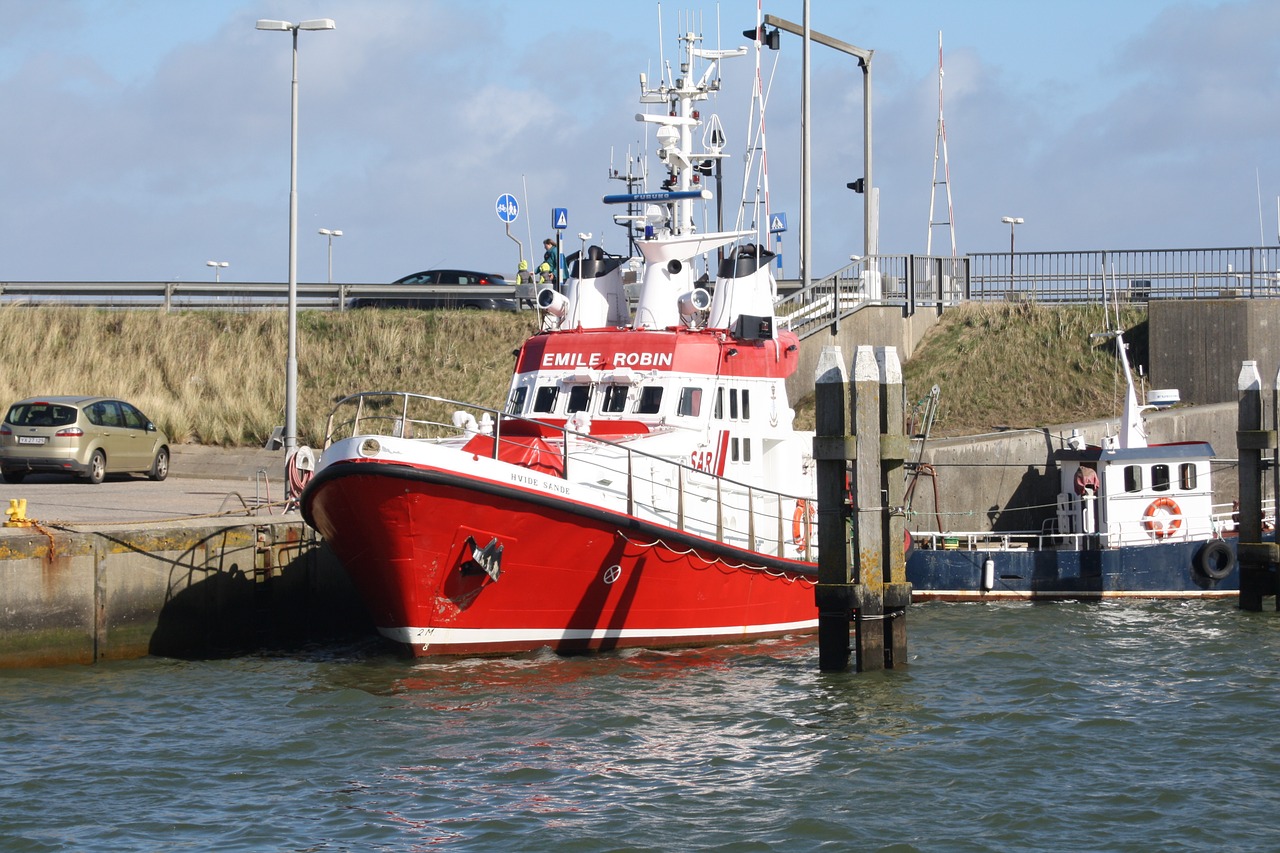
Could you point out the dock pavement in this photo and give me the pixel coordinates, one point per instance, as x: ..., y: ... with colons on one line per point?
x: 203, y: 482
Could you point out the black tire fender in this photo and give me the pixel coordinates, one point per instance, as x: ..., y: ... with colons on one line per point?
x: 1215, y: 560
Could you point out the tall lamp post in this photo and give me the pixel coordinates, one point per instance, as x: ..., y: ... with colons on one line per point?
x: 330, y: 233
x: 218, y: 267
x: 291, y: 360
x: 1013, y: 222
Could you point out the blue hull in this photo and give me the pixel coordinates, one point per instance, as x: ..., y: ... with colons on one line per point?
x: 1168, y: 570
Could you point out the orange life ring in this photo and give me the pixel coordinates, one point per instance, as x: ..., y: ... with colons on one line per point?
x: 1166, y: 522
x: 801, y: 523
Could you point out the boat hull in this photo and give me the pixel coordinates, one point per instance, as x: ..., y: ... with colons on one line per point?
x: 570, y: 577
x: 1167, y: 570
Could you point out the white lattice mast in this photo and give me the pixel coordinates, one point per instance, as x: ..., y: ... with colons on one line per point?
x: 940, y: 146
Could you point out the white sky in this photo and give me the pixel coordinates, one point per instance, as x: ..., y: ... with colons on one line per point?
x: 142, y: 138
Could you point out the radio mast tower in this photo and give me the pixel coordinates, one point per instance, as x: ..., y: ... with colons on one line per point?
x: 940, y: 144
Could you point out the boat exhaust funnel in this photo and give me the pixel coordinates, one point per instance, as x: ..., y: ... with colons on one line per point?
x: 745, y: 287
x: 596, y: 294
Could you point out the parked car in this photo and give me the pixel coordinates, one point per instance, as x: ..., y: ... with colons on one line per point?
x: 89, y: 437
x: 443, y: 278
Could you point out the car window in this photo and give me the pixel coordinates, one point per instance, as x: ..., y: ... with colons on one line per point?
x: 106, y: 413
x: 451, y: 277
x: 41, y: 414
x: 133, y: 419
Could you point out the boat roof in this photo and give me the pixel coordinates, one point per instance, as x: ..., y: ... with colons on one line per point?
x: 1176, y: 451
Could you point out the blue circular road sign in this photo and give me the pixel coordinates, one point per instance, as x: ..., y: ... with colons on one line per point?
x: 508, y: 207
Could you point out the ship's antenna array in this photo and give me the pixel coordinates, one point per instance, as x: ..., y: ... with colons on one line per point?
x: 940, y: 146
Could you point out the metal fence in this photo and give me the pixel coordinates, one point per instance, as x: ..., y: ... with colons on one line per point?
x: 232, y: 296
x: 910, y: 281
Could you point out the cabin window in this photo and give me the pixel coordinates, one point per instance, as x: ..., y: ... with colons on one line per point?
x: 579, y: 398
x: 615, y: 398
x: 733, y: 404
x: 1133, y: 478
x: 650, y: 400
x: 733, y: 450
x: 1160, y: 478
x: 1187, y: 476
x: 690, y: 402
x: 719, y: 404
x: 516, y: 405
x: 746, y: 450
x: 746, y: 404
x: 545, y: 399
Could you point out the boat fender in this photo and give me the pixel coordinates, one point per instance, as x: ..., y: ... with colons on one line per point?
x: 1162, y: 518
x: 465, y: 421
x: 802, y: 520
x: 988, y: 574
x: 1214, y: 560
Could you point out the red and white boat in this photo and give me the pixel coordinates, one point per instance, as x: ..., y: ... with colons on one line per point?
x: 642, y: 486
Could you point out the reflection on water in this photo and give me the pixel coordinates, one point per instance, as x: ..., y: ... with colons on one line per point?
x: 1029, y: 727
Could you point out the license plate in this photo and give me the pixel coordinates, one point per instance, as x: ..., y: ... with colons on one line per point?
x: 31, y: 439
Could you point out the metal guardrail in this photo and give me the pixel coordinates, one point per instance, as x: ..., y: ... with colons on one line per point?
x: 235, y: 296
x: 909, y: 281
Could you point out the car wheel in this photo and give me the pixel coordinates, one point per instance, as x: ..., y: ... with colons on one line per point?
x: 160, y: 467
x: 13, y: 476
x: 97, y: 467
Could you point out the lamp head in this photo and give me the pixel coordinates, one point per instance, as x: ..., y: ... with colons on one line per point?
x: 279, y: 26
x: 318, y: 24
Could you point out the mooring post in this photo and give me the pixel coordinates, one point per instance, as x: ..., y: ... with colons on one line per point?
x: 894, y: 449
x: 868, y: 538
x: 831, y: 452
x: 1251, y: 439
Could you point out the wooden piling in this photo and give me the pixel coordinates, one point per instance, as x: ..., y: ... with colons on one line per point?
x: 1252, y: 439
x: 894, y: 450
x: 831, y: 452
x: 861, y: 566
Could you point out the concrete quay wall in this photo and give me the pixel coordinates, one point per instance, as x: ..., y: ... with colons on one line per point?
x: 178, y: 590
x: 1008, y: 481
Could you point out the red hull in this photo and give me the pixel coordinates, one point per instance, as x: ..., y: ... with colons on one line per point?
x: 572, y: 577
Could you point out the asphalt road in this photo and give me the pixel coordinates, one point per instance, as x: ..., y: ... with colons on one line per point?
x: 59, y: 500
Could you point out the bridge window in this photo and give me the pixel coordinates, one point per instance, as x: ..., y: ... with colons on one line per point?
x: 1160, y: 478
x: 733, y: 404
x: 690, y: 402
x: 719, y: 404
x: 545, y: 399
x: 615, y: 398
x: 650, y: 400
x: 579, y: 398
x: 1187, y: 476
x: 746, y: 405
x: 1133, y: 478
x: 516, y: 404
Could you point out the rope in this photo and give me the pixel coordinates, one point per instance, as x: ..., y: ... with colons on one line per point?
x: 658, y: 543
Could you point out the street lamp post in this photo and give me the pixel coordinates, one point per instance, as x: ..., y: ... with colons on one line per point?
x: 291, y: 359
x: 330, y: 233
x: 1013, y: 222
x: 218, y: 267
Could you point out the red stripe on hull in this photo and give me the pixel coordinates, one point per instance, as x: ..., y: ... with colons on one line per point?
x: 567, y: 581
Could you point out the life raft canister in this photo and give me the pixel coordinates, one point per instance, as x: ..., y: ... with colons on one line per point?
x: 1162, y: 518
x: 802, y: 521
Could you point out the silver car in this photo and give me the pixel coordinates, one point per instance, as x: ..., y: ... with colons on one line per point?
x: 89, y: 437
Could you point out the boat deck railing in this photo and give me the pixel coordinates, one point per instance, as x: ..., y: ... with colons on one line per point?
x: 1222, y: 521
x: 642, y: 484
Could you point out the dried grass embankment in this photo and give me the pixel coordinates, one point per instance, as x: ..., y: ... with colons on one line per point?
x: 217, y: 378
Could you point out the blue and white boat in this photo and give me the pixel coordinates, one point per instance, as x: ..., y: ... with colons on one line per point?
x: 1133, y: 520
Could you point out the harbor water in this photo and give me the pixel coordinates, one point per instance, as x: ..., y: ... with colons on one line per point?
x: 1108, y: 727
